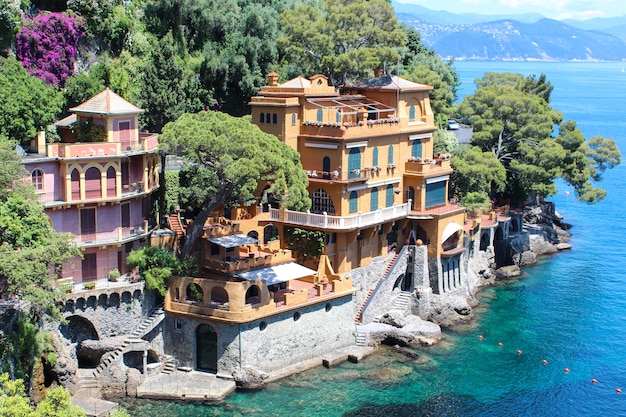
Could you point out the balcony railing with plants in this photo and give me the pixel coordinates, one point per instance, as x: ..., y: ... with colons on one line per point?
x: 419, y: 164
x: 350, y: 128
x: 331, y: 222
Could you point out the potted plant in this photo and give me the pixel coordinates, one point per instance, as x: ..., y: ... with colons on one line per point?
x: 67, y: 288
x: 114, y: 275
x: 89, y: 285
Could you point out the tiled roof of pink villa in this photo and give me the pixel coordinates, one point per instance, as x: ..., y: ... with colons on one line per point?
x: 107, y: 103
x: 393, y: 82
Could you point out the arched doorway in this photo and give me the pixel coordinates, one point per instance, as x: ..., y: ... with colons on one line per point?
x: 206, y: 348
x: 78, y: 329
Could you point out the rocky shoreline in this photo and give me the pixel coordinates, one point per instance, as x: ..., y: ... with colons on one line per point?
x: 546, y: 235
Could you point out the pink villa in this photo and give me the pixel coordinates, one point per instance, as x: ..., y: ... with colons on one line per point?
x: 97, y: 183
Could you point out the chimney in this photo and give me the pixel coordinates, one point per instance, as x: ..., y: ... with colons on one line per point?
x: 41, y: 141
x: 272, y: 79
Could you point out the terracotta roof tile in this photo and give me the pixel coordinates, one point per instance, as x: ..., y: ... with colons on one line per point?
x: 107, y: 103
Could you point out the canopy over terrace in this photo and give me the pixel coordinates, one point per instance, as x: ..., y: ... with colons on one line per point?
x: 277, y: 274
x: 353, y: 105
x: 233, y: 241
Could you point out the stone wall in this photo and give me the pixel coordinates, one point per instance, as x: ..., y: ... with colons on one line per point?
x: 271, y: 344
x: 115, y: 314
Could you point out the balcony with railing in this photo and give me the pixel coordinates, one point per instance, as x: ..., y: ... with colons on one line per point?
x: 148, y: 142
x: 116, y: 235
x: 354, y: 175
x: 330, y: 222
x: 384, y: 126
x: 244, y: 301
x: 422, y: 165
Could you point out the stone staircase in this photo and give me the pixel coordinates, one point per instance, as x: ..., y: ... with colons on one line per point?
x: 402, y: 301
x: 359, y: 315
x: 361, y: 338
x: 169, y: 365
x: 86, y: 385
x: 135, y: 337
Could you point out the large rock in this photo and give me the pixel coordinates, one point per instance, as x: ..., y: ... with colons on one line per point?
x: 542, y: 246
x: 415, y: 332
x: 113, y: 380
x: 92, y: 350
x: 449, y: 310
x: 250, y: 378
x: 133, y: 380
x: 510, y: 271
x: 525, y: 258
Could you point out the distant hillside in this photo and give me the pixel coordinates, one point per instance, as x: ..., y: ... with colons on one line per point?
x: 519, y: 37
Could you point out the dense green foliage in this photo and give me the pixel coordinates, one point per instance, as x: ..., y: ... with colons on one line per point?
x: 512, y: 119
x: 476, y: 171
x: 15, y: 403
x: 155, y: 265
x: 172, y: 191
x: 180, y: 56
x: 30, y: 249
x: 305, y: 244
x: 344, y: 39
x: 231, y: 156
x: 26, y: 103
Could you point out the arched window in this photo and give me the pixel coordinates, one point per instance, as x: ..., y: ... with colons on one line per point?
x: 320, y: 115
x: 252, y: 295
x: 219, y: 295
x: 354, y: 202
x: 354, y: 163
x: 262, y: 118
x: 75, y: 176
x: 375, y: 157
x: 293, y: 119
x: 274, y: 118
x: 267, y: 117
x: 321, y: 202
x: 37, y: 179
x: 92, y: 183
x: 390, y: 155
x: 412, y: 113
x: 194, y: 292
x: 253, y: 234
x: 416, y: 148
x: 270, y: 233
x: 389, y: 196
x: 338, y: 116
x: 111, y: 182
x: 374, y: 199
x: 326, y: 168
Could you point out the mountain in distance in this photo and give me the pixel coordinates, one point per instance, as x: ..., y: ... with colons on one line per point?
x: 532, y: 38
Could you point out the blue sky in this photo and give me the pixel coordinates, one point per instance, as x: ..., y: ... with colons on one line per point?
x: 554, y: 9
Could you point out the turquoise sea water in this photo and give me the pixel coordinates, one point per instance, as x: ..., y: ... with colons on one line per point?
x: 568, y: 310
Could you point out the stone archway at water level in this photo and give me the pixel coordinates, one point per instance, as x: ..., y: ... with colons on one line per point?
x: 206, y: 348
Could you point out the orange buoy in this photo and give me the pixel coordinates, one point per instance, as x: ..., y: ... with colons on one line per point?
x: 519, y: 352
x: 544, y: 361
x: 500, y: 344
x: 566, y: 370
x: 594, y: 381
x: 480, y: 337
x: 618, y: 390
